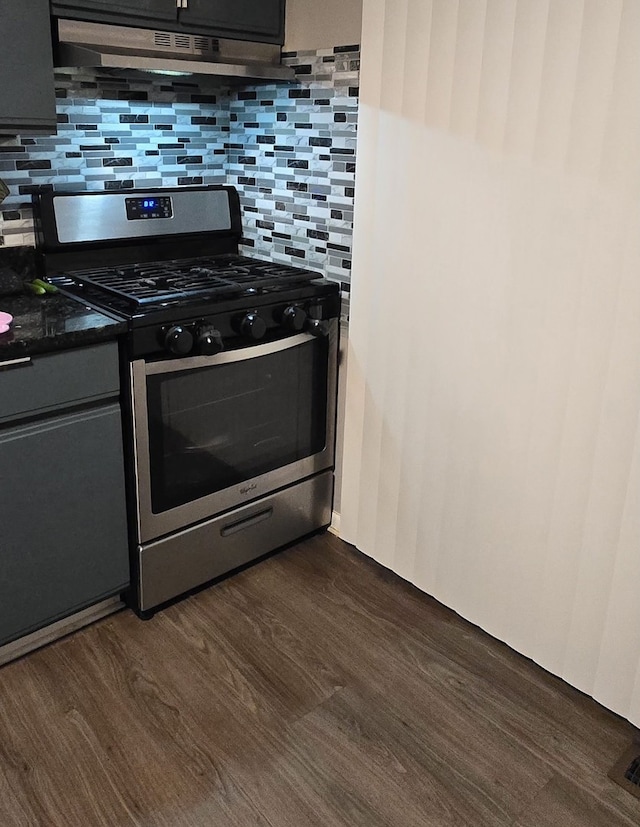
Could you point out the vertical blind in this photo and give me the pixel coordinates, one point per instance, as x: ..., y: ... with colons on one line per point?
x: 493, y: 389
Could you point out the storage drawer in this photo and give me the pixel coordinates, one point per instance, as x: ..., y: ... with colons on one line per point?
x: 192, y: 557
x: 58, y: 380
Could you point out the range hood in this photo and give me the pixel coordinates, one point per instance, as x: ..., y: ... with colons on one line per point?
x: 172, y: 53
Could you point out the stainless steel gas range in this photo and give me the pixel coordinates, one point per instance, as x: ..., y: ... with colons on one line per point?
x: 230, y: 365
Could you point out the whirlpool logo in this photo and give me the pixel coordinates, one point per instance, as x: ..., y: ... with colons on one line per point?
x: 247, y: 489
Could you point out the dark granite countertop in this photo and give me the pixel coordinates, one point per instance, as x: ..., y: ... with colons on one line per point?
x: 42, y: 324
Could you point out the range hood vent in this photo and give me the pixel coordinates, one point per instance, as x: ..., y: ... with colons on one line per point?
x: 172, y: 53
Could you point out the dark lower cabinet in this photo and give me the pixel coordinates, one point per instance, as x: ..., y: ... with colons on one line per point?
x: 63, y: 526
x: 27, y: 93
x: 259, y: 20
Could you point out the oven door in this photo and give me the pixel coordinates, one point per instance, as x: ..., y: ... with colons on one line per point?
x: 215, y: 432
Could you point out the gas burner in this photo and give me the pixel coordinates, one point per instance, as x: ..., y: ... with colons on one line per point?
x: 217, y: 276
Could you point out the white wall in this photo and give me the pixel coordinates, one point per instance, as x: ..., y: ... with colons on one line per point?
x: 492, y: 454
x: 321, y: 25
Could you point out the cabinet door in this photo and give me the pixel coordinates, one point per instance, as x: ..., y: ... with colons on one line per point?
x: 27, y: 94
x: 63, y: 532
x: 143, y: 13
x: 243, y: 19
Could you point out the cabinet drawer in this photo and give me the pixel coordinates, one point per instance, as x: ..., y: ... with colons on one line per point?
x: 59, y: 380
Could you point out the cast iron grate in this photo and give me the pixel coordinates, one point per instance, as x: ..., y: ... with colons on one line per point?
x: 225, y: 275
x: 626, y: 771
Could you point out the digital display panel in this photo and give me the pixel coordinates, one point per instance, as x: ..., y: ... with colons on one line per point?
x: 146, y: 207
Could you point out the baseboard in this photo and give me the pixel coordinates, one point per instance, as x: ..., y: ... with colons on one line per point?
x: 334, y: 528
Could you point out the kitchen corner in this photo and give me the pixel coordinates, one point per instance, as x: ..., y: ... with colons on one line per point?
x: 242, y: 581
x: 289, y: 151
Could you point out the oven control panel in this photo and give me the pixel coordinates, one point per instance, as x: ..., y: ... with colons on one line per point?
x: 239, y: 324
x: 203, y: 336
x: 157, y: 206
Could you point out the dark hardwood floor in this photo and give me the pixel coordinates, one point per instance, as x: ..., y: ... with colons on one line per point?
x: 314, y: 689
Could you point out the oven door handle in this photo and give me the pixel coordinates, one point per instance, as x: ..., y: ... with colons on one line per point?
x: 227, y: 357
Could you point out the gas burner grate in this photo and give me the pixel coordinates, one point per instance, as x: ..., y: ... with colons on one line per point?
x: 160, y: 281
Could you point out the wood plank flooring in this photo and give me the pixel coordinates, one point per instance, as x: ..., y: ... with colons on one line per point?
x: 314, y: 689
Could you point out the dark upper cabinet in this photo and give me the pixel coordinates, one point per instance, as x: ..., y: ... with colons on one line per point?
x: 242, y: 18
x: 259, y: 20
x: 125, y: 12
x: 27, y: 94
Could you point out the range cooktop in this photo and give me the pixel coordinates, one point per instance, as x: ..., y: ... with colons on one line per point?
x: 170, y: 258
x: 158, y: 282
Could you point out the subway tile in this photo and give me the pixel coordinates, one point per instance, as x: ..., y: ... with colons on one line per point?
x: 189, y: 180
x: 132, y: 118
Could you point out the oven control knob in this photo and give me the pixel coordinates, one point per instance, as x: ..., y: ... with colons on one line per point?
x: 209, y: 340
x: 178, y: 340
x: 253, y: 326
x: 294, y: 318
x: 317, y: 327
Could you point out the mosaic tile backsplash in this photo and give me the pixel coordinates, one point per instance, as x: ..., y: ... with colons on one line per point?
x: 290, y: 149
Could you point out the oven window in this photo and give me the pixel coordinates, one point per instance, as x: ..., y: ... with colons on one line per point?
x: 218, y: 426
